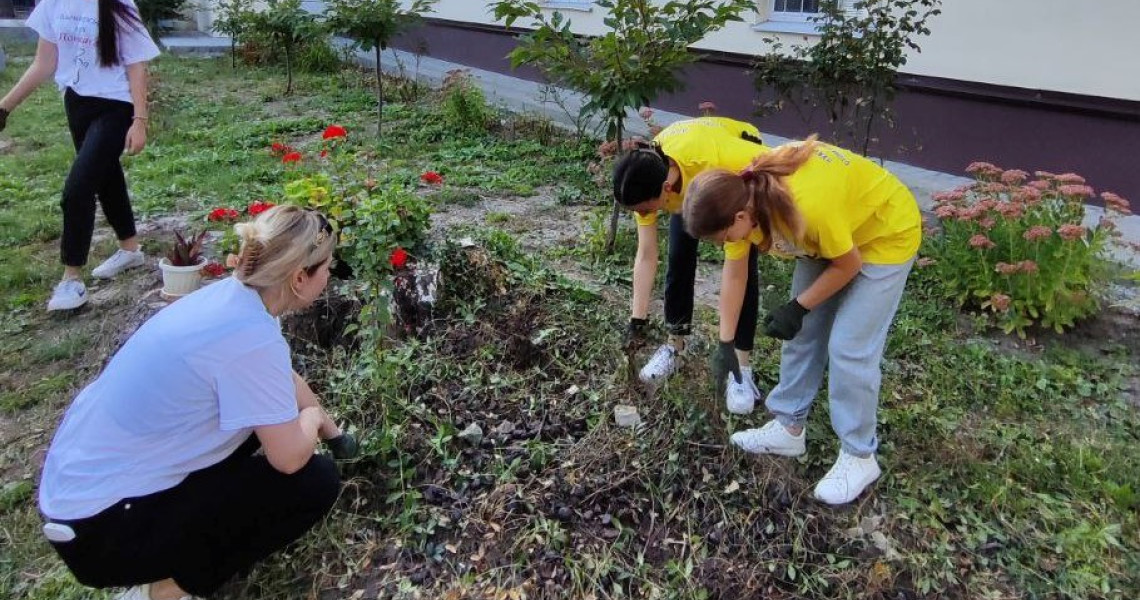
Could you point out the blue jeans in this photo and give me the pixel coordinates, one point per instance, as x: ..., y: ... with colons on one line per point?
x: 847, y: 332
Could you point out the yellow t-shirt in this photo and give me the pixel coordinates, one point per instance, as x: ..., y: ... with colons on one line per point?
x: 847, y: 201
x: 698, y: 145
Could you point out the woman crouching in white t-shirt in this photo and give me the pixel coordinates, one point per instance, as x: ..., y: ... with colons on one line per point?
x: 151, y: 480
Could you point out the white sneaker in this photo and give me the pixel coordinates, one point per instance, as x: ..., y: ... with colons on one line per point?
x: 772, y: 438
x: 120, y: 261
x: 68, y: 294
x: 847, y: 478
x: 663, y: 364
x: 740, y: 398
x: 142, y: 592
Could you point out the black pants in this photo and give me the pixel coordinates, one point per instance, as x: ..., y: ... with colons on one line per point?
x: 680, y: 280
x: 99, y: 130
x: 218, y: 522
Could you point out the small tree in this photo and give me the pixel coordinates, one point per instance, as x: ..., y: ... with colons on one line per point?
x: 234, y: 17
x: 289, y: 25
x: 850, y: 73
x: 372, y: 24
x: 638, y: 59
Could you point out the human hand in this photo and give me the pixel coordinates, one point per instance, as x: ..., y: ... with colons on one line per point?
x: 136, y: 137
x: 725, y: 362
x: 634, y: 336
x: 343, y: 446
x: 785, y: 322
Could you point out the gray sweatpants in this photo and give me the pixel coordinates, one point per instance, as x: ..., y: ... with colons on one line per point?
x: 847, y: 332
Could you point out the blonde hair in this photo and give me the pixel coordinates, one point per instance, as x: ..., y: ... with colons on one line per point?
x: 280, y: 241
x: 714, y: 197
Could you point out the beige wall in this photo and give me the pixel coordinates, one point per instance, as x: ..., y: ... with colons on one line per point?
x: 1090, y: 48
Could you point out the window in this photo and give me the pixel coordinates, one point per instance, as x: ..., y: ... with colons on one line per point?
x: 789, y: 16
x: 794, y: 10
x: 582, y: 5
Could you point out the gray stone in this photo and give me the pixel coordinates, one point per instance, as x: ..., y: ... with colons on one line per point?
x: 472, y: 434
x: 626, y: 416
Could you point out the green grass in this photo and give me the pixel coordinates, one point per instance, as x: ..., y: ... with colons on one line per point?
x: 1007, y: 474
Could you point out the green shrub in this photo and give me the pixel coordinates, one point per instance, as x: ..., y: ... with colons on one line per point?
x: 464, y: 107
x: 1017, y: 249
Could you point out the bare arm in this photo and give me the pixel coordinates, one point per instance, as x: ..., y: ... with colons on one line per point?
x: 306, y: 397
x: 644, y: 270
x: 137, y: 80
x: 839, y: 272
x: 289, y: 446
x: 41, y: 69
x: 733, y: 280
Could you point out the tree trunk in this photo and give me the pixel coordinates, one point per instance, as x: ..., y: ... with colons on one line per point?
x: 870, y: 121
x: 611, y: 236
x: 233, y: 52
x: 379, y: 92
x: 289, y: 68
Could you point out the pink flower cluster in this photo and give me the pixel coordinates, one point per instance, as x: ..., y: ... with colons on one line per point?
x: 1115, y: 202
x: 1071, y: 231
x: 1038, y: 232
x: 1025, y: 266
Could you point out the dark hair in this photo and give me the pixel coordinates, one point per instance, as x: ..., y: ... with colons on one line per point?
x: 716, y: 196
x: 114, y: 15
x: 638, y: 176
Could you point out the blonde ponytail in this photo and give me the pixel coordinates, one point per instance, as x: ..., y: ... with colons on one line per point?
x: 280, y: 241
x: 715, y: 197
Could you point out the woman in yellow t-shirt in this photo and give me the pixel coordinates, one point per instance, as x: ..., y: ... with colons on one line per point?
x: 854, y: 229
x: 653, y: 179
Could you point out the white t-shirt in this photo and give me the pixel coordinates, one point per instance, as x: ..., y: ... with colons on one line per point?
x: 181, y: 395
x: 73, y: 26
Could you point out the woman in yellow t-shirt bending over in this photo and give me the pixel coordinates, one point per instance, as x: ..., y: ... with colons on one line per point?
x: 653, y: 179
x: 854, y: 229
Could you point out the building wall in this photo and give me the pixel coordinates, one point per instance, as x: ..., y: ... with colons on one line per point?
x: 940, y: 124
x: 1087, y: 48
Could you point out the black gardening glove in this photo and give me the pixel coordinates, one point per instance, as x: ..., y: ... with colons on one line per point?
x: 725, y: 362
x: 785, y: 322
x: 3, y: 118
x: 634, y: 336
x: 343, y: 446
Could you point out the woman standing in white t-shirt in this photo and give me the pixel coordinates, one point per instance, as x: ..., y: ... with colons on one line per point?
x: 98, y: 52
x: 151, y: 480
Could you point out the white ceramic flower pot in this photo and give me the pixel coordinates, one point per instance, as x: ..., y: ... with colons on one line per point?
x: 179, y: 281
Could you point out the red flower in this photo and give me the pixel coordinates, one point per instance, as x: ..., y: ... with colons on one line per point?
x: 278, y: 148
x: 399, y: 258
x: 334, y: 131
x: 431, y: 177
x: 291, y: 157
x: 213, y: 269
x: 257, y: 207
x: 223, y: 214
x: 324, y: 153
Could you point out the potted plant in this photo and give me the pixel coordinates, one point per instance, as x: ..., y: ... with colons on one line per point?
x: 182, y: 265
